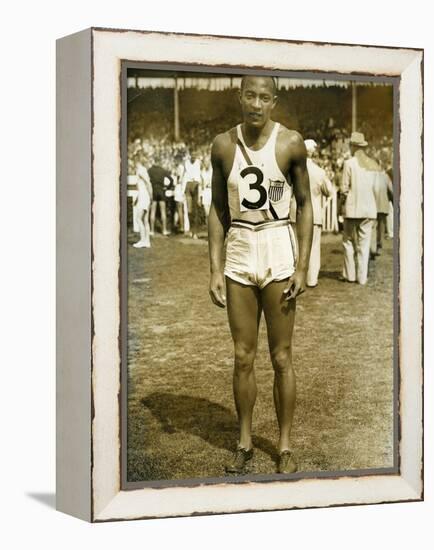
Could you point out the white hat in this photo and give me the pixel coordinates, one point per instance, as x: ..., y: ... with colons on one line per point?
x: 311, y: 145
x: 357, y: 138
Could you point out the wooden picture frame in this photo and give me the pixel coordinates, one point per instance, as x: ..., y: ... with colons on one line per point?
x: 89, y: 273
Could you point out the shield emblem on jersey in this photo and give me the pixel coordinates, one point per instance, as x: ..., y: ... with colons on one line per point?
x: 275, y: 191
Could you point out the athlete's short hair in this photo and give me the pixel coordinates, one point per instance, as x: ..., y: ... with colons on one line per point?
x: 272, y: 79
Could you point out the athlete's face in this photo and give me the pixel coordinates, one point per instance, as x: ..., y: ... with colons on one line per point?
x: 258, y: 99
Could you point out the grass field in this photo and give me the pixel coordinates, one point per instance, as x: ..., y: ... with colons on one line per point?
x: 181, y: 416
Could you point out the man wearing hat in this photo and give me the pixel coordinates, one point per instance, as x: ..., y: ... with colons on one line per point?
x: 320, y: 186
x: 360, y: 209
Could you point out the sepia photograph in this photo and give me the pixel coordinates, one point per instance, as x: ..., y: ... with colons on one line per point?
x: 245, y: 216
x: 259, y: 289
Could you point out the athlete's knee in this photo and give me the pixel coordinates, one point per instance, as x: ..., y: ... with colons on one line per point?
x: 281, y: 360
x: 244, y: 358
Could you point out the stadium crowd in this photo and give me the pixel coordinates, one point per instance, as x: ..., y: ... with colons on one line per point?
x: 180, y: 192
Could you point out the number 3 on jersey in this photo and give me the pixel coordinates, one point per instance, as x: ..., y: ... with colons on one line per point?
x: 253, y: 194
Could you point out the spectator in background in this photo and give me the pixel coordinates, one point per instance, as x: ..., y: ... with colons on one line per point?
x: 179, y: 195
x: 157, y: 175
x: 387, y: 164
x: 206, y: 176
x: 192, y: 178
x: 383, y: 191
x: 360, y: 209
x: 169, y: 193
x: 143, y: 201
x: 151, y: 131
x: 320, y: 186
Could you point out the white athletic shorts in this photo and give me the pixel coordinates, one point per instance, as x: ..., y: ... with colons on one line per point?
x: 258, y: 254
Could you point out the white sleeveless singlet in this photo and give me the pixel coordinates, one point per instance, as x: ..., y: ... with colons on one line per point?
x: 257, y: 189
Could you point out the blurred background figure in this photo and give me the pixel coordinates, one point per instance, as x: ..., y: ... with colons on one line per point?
x: 179, y: 196
x: 320, y: 186
x: 142, y: 201
x: 192, y: 179
x: 386, y: 160
x: 169, y: 197
x: 206, y: 177
x: 383, y: 195
x: 359, y: 209
x: 157, y: 175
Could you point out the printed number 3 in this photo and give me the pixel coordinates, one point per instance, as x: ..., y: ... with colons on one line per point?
x: 263, y: 196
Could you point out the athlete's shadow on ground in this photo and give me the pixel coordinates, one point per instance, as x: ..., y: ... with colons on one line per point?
x: 214, y: 423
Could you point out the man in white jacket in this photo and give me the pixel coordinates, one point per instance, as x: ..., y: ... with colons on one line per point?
x: 360, y: 209
x: 320, y: 186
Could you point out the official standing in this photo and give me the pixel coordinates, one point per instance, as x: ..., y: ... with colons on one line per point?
x: 359, y: 209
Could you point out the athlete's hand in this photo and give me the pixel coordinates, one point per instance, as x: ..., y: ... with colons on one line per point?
x: 296, y: 285
x: 217, y: 289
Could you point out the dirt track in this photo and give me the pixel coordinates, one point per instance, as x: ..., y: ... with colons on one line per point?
x: 181, y: 416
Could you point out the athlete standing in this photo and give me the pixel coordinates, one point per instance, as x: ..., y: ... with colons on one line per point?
x: 255, y: 167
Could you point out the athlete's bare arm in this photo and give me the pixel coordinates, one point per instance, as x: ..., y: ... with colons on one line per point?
x: 300, y: 180
x: 218, y: 220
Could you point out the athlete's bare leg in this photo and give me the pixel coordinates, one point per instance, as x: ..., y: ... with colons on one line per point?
x: 244, y: 312
x: 139, y: 220
x: 180, y: 209
x: 153, y: 213
x: 146, y: 226
x: 142, y: 220
x: 279, y: 316
x: 162, y: 205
